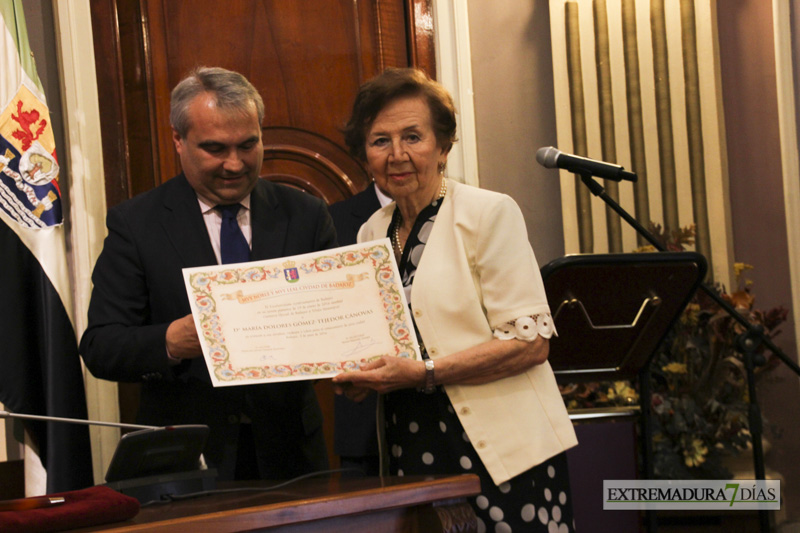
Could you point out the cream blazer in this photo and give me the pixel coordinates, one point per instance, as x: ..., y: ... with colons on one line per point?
x: 478, y: 271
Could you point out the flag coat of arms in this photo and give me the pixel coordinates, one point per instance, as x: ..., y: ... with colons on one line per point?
x: 40, y: 372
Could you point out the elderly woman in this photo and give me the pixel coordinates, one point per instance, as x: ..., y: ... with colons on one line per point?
x: 484, y: 399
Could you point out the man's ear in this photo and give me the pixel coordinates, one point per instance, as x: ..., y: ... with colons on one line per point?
x: 176, y: 138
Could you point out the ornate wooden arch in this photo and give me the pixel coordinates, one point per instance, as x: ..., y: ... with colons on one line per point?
x: 312, y: 163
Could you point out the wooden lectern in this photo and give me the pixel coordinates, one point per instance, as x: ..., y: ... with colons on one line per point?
x: 611, y: 312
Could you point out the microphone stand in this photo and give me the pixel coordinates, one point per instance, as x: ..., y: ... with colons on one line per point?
x: 748, y: 341
x: 154, y: 462
x: 6, y: 414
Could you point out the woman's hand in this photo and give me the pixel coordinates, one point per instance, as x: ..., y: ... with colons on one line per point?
x: 487, y: 362
x: 386, y: 374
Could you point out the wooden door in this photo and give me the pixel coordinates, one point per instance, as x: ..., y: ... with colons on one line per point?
x: 306, y: 57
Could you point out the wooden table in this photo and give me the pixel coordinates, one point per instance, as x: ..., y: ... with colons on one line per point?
x: 390, y: 504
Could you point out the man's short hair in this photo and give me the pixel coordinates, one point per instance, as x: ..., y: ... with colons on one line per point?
x: 231, y: 90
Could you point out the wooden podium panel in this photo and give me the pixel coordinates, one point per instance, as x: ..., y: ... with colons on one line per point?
x: 334, y: 505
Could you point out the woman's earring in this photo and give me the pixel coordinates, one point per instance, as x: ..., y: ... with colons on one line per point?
x: 442, y: 166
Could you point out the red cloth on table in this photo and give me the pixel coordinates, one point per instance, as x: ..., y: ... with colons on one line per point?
x: 81, y: 508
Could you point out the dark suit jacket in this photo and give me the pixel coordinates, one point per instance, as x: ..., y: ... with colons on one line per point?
x: 139, y: 290
x: 348, y: 215
x: 354, y: 423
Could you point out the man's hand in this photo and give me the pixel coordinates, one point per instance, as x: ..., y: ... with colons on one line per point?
x: 182, y: 341
x: 357, y: 394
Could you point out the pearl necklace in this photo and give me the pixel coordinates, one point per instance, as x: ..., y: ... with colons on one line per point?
x: 398, y: 248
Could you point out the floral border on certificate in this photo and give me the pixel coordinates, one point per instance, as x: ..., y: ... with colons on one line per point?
x: 380, y: 257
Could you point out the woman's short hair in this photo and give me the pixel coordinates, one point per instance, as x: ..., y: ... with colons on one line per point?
x: 393, y: 84
x: 231, y: 90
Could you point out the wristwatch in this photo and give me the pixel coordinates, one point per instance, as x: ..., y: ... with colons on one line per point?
x: 430, y: 384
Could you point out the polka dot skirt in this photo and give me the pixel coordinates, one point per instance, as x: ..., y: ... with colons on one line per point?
x: 426, y: 437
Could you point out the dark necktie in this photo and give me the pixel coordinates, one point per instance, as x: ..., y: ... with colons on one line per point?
x: 233, y: 247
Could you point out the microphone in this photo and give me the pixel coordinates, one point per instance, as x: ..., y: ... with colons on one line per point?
x: 551, y: 157
x: 154, y: 462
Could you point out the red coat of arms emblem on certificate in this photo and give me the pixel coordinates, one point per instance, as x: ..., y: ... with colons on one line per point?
x: 290, y: 272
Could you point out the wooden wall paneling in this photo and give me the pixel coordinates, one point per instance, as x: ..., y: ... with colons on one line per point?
x: 365, y: 40
x: 421, y: 49
x: 125, y: 110
x: 154, y: 45
x: 139, y: 113
x: 391, y: 34
x: 111, y: 94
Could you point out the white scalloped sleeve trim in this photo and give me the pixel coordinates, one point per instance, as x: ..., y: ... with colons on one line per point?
x: 527, y: 328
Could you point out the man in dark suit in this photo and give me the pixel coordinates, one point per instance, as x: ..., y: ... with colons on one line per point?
x: 140, y: 326
x: 355, y: 437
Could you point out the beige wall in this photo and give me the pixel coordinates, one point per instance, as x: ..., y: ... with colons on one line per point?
x: 512, y: 77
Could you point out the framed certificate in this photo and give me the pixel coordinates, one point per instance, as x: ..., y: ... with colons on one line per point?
x: 308, y: 316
